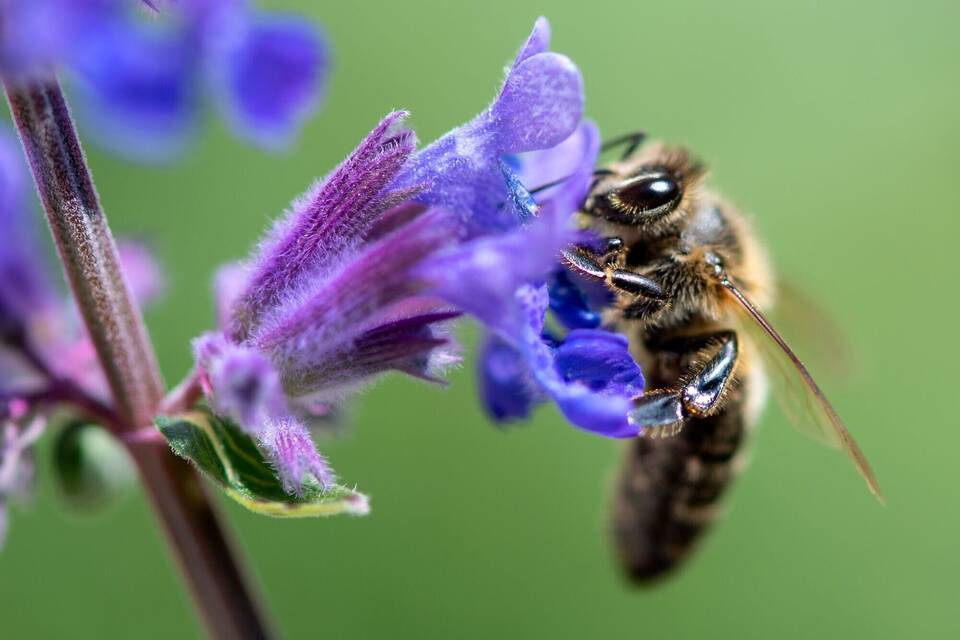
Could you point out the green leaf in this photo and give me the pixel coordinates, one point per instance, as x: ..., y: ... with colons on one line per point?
x: 90, y: 467
x: 229, y: 457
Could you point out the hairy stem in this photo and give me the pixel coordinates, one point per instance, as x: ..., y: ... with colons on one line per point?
x: 90, y: 260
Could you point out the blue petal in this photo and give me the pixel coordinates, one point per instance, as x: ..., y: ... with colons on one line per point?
x: 590, y: 375
x: 599, y: 414
x: 506, y: 389
x: 569, y: 304
x: 273, y: 75
x: 599, y: 360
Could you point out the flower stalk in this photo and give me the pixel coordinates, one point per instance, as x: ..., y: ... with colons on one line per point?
x: 89, y: 256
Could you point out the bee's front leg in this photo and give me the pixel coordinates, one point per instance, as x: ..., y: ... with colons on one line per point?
x: 699, y: 394
x: 605, y: 264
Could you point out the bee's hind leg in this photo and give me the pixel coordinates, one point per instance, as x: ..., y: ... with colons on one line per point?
x: 701, y: 392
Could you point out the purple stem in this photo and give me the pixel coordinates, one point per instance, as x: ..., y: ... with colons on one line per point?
x: 89, y: 256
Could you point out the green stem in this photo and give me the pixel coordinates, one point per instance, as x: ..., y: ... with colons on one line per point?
x: 89, y: 257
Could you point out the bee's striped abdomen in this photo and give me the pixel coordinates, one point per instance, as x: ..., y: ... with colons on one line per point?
x: 669, y: 488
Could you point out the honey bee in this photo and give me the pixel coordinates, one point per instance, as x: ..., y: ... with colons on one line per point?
x: 690, y: 284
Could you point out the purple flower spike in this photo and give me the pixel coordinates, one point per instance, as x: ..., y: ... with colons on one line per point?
x: 540, y: 105
x: 288, y: 446
x: 334, y: 296
x: 272, y: 75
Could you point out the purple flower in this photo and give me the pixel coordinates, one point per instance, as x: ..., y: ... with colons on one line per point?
x: 590, y: 374
x: 539, y: 105
x: 332, y: 298
x: 370, y: 264
x: 136, y: 88
x: 140, y: 83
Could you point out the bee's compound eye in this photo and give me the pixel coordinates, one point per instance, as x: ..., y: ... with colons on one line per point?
x: 650, y: 194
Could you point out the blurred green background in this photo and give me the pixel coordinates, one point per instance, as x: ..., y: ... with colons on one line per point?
x: 835, y: 124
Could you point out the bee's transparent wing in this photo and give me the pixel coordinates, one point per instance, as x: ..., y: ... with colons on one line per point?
x: 805, y: 322
x: 803, y: 401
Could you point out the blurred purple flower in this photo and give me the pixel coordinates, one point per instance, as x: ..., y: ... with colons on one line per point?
x: 270, y: 74
x: 144, y: 274
x: 139, y: 83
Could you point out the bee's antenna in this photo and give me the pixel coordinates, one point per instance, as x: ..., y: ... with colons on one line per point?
x: 632, y: 140
x: 599, y: 171
x: 546, y: 186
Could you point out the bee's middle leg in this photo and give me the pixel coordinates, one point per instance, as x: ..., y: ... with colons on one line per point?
x: 701, y: 392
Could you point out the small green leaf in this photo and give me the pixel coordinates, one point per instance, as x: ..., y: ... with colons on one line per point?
x: 230, y: 457
x: 90, y: 467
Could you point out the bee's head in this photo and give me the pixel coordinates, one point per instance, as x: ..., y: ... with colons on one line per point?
x: 649, y: 190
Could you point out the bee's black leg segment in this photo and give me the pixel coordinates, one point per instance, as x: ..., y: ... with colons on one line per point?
x: 657, y: 409
x: 632, y: 140
x: 599, y: 267
x: 584, y: 262
x: 703, y: 392
x: 636, y: 284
